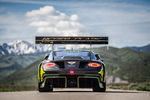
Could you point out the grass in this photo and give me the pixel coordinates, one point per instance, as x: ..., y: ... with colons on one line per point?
x: 12, y: 88
x: 144, y: 86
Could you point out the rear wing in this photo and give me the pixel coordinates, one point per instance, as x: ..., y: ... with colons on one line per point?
x: 70, y: 40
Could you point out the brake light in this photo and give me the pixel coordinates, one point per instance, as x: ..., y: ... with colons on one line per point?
x: 49, y: 64
x: 71, y: 72
x: 94, y: 65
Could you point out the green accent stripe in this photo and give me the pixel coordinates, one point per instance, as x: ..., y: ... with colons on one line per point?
x: 85, y: 76
x: 101, y: 72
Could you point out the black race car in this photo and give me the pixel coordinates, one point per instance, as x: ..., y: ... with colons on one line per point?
x: 71, y: 69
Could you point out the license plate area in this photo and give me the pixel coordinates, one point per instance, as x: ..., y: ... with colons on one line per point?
x: 72, y: 81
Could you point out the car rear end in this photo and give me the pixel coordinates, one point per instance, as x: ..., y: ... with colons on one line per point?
x: 80, y: 70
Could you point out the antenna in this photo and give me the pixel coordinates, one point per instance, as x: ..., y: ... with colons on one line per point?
x: 107, y: 47
x: 52, y: 50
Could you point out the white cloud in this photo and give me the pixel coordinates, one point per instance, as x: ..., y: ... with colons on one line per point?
x: 125, y: 24
x: 50, y: 21
x: 13, y: 26
x: 74, y: 18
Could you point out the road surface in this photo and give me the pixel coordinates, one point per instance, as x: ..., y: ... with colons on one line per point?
x: 76, y: 94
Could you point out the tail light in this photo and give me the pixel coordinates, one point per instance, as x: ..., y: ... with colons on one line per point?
x: 94, y: 65
x: 49, y: 64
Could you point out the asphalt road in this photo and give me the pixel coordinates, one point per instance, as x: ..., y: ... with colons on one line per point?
x: 76, y: 94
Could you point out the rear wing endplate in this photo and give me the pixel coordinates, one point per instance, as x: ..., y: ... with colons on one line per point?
x: 70, y: 40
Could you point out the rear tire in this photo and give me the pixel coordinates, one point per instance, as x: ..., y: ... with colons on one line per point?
x: 46, y: 88
x: 98, y: 89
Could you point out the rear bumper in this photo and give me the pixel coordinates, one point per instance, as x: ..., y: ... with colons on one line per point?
x: 72, y: 81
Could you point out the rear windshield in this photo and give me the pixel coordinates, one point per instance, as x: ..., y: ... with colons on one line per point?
x: 84, y: 55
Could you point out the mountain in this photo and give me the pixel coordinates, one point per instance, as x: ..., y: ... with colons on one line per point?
x: 24, y: 76
x: 124, y: 64
x: 141, y: 49
x: 19, y: 47
x: 12, y: 63
x: 16, y: 47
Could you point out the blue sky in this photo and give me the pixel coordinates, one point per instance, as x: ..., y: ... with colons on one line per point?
x: 126, y: 22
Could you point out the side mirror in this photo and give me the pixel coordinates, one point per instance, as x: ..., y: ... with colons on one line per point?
x: 46, y: 56
x: 97, y: 56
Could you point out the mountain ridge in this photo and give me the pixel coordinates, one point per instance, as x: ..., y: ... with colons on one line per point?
x: 20, y: 47
x: 145, y: 48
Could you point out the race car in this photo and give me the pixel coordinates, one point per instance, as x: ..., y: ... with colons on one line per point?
x: 71, y: 69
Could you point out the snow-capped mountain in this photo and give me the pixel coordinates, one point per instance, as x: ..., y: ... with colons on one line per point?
x: 22, y: 47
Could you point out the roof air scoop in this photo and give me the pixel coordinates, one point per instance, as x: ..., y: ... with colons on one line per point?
x: 72, y: 58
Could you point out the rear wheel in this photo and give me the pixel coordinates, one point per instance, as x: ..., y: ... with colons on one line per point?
x: 98, y: 89
x: 46, y: 88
